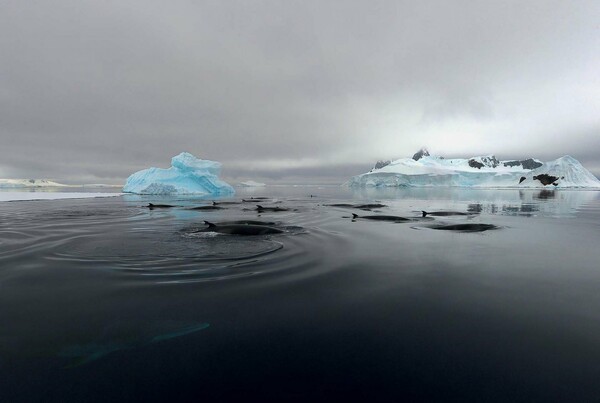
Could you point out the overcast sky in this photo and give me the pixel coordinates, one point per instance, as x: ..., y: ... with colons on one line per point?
x: 91, y: 91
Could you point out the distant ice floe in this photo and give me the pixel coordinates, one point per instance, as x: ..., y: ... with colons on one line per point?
x: 251, y: 184
x: 24, y: 196
x: 187, y: 175
x: 477, y: 172
x: 100, y: 185
x: 28, y: 183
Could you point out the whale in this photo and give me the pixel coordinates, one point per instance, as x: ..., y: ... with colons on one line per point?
x: 153, y: 206
x: 444, y: 213
x: 465, y: 227
x: 241, y: 229
x: 254, y: 199
x: 358, y: 206
x: 260, y: 208
x: 206, y: 208
x: 122, y: 336
x: 214, y: 203
x: 247, y: 222
x: 392, y: 218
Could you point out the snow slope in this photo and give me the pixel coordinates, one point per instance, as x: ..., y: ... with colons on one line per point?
x: 483, y: 171
x: 187, y: 175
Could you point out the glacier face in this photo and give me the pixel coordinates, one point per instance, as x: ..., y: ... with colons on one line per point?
x: 187, y: 175
x: 483, y: 172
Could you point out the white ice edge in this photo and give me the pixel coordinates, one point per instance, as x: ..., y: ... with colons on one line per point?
x: 28, y: 196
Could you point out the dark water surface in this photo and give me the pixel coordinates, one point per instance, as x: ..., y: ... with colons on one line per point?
x: 105, y: 300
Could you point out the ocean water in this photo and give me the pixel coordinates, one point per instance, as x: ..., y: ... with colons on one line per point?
x: 106, y: 300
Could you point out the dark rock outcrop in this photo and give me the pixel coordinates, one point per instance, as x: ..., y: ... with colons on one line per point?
x: 420, y: 154
x: 380, y: 164
x: 475, y: 164
x: 491, y: 162
x: 522, y: 179
x: 529, y: 163
x: 546, y: 179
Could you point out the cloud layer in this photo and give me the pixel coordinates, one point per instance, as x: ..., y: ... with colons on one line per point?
x: 93, y: 91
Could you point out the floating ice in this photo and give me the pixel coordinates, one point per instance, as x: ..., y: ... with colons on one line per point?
x: 25, y: 196
x: 187, y: 175
x: 251, y: 184
x: 481, y: 172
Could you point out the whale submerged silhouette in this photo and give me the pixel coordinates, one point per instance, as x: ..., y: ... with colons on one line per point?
x: 123, y: 336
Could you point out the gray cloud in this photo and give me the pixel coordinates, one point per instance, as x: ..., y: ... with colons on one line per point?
x: 92, y: 91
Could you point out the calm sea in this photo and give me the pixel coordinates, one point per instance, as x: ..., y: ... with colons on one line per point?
x: 105, y: 300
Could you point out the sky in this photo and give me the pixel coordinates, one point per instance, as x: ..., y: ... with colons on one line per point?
x: 292, y: 91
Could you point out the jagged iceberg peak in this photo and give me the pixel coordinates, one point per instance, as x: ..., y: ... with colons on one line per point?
x: 481, y: 171
x: 569, y: 173
x: 187, y: 175
x: 186, y: 161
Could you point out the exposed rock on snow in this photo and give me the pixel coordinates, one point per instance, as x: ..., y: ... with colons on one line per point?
x: 380, y: 164
x: 420, y: 154
x: 546, y: 179
x: 529, y: 163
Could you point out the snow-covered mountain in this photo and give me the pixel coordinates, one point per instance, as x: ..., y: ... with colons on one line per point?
x: 28, y: 183
x: 482, y: 171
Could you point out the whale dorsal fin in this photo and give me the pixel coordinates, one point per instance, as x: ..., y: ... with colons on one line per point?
x: 260, y: 207
x: 354, y: 216
x: 210, y: 225
x: 214, y: 203
x: 424, y: 213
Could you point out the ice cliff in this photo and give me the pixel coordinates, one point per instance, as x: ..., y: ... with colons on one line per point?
x: 483, y: 171
x: 187, y: 175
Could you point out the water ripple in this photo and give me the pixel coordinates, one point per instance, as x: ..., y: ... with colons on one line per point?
x: 140, y: 247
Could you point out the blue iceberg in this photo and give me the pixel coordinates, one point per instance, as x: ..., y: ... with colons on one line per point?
x: 187, y: 175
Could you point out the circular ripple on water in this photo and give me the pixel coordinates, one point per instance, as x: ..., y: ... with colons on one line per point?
x: 167, y: 255
x: 134, y: 246
x: 172, y: 257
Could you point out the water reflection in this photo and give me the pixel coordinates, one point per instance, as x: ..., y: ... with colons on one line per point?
x: 545, y: 194
x: 551, y: 202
